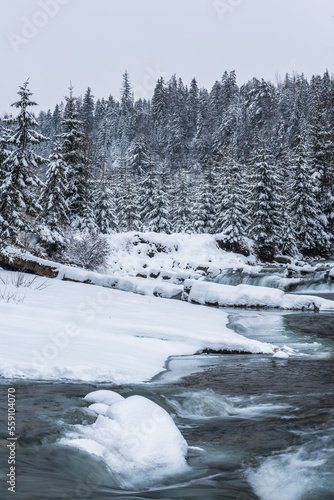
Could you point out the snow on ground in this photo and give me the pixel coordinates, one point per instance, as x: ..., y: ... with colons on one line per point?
x: 171, y: 255
x: 203, y: 292
x: 135, y: 438
x: 79, y: 332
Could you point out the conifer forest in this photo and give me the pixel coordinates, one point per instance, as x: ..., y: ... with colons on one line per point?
x: 252, y: 162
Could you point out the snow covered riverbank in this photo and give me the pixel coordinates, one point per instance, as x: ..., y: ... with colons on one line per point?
x: 79, y: 332
x: 71, y: 331
x: 189, y: 267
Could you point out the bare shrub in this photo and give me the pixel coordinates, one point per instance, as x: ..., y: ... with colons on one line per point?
x: 88, y: 250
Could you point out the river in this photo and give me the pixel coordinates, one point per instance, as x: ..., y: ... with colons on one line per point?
x: 258, y: 427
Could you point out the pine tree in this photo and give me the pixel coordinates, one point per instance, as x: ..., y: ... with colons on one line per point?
x: 18, y: 200
x: 86, y: 221
x: 159, y: 217
x: 87, y: 112
x: 128, y: 212
x: 105, y: 209
x: 287, y: 243
x: 4, y: 152
x: 159, y: 102
x: 211, y: 179
x: 57, y: 120
x: 105, y: 212
x: 126, y: 94
x: 322, y: 148
x: 103, y: 157
x: 139, y: 156
x: 55, y: 213
x: 231, y: 211
x: 198, y: 206
x: 182, y: 216
x: 146, y: 196
x: 310, y: 225
x: 193, y: 108
x: 73, y: 150
x: 265, y: 206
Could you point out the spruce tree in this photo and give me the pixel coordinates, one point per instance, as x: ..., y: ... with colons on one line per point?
x: 287, y: 243
x: 211, y: 180
x: 73, y: 150
x: 231, y: 211
x: 87, y: 112
x: 4, y: 152
x: 105, y: 209
x: 128, y: 212
x: 146, y: 196
x: 182, y: 216
x: 310, y: 225
x: 105, y: 212
x: 139, y: 156
x: 18, y: 199
x: 55, y: 213
x: 198, y: 206
x: 265, y: 206
x: 159, y: 217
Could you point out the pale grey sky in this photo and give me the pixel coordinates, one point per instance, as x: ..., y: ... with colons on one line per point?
x: 91, y: 42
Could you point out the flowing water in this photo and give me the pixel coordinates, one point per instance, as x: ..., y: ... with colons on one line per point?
x: 258, y: 427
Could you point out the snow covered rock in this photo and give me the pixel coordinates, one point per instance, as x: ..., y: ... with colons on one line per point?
x: 203, y: 292
x: 103, y: 396
x: 136, y: 439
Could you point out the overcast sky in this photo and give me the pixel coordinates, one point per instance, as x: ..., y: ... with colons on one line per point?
x: 91, y: 42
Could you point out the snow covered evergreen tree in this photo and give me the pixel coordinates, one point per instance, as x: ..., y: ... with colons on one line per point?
x: 159, y: 217
x: 87, y: 112
x: 73, y: 150
x: 287, y: 243
x: 18, y: 189
x: 139, y: 156
x: 4, y: 151
x: 55, y: 212
x: 265, y: 206
x: 147, y: 197
x: 208, y: 195
x: 105, y: 211
x: 128, y: 211
x: 182, y: 216
x: 310, y: 225
x: 232, y: 218
x: 199, y: 197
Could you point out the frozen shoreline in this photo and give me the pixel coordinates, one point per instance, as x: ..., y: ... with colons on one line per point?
x: 70, y: 331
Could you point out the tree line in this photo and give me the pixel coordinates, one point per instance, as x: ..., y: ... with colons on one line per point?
x: 254, y: 161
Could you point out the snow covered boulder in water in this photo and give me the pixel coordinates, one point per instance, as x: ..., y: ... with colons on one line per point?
x: 136, y: 439
x: 103, y: 396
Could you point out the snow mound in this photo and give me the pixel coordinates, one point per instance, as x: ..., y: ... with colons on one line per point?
x: 137, y: 440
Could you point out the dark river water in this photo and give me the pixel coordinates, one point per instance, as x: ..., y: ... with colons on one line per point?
x: 258, y: 427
